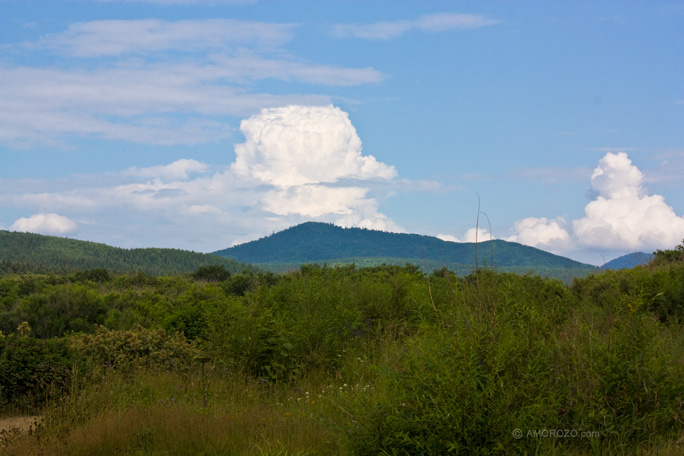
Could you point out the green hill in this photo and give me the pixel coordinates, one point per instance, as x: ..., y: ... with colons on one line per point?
x: 314, y: 242
x: 629, y: 261
x: 26, y: 252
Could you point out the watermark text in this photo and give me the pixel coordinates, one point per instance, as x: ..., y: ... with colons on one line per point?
x: 554, y: 434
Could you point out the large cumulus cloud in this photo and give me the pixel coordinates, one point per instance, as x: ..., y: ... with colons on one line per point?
x: 298, y: 145
x: 303, y: 154
x: 622, y: 216
x: 542, y: 233
x: 297, y: 164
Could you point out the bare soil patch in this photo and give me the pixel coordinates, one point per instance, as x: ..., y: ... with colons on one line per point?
x: 21, y: 423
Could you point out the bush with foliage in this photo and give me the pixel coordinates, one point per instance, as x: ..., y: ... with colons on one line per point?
x: 382, y: 360
x: 130, y: 350
x: 31, y: 368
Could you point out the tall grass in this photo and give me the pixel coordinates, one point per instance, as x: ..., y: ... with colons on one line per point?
x: 373, y: 363
x: 166, y: 414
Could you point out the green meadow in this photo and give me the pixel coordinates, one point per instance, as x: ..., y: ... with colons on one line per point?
x: 382, y: 360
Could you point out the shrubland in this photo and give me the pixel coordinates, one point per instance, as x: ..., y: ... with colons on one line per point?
x: 345, y: 360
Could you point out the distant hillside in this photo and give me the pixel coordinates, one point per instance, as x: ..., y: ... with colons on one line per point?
x: 26, y: 252
x: 629, y: 261
x: 320, y: 242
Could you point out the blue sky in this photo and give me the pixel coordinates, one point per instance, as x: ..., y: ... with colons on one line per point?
x: 203, y: 124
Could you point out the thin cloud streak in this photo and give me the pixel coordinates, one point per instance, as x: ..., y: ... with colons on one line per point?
x: 161, y: 83
x: 553, y: 175
x: 431, y: 23
x: 145, y: 36
x: 40, y: 106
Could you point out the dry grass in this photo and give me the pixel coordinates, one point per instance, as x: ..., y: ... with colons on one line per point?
x: 239, y: 419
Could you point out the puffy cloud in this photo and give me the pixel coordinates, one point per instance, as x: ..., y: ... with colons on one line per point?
x: 469, y: 236
x: 447, y: 237
x: 623, y: 216
x: 301, y: 163
x: 366, y: 215
x: 386, y: 30
x: 313, y: 200
x: 302, y: 151
x: 298, y: 145
x: 542, y: 233
x: 615, y: 177
x: 51, y: 224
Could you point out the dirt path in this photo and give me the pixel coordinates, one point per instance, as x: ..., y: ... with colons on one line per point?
x: 23, y: 423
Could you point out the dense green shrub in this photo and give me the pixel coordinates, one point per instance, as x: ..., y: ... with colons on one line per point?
x: 519, y: 353
x: 654, y: 289
x: 399, y: 362
x: 213, y: 273
x: 126, y: 351
x: 465, y: 384
x: 30, y: 369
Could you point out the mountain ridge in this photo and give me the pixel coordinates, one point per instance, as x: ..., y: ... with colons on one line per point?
x: 315, y: 242
x: 629, y: 260
x: 30, y: 252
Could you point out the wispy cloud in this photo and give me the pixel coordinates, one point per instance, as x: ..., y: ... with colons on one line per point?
x: 180, y: 169
x: 138, y: 37
x: 553, y: 175
x: 156, y: 82
x: 297, y: 163
x: 431, y: 23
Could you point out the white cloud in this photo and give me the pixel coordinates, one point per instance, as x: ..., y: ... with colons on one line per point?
x: 298, y: 145
x: 432, y: 23
x: 366, y: 215
x: 447, y: 237
x: 623, y: 216
x: 616, y: 177
x: 156, y: 82
x: 143, y: 36
x: 301, y: 163
x: 180, y: 169
x: 313, y: 200
x: 51, y: 224
x: 469, y: 236
x: 542, y: 233
x: 300, y: 151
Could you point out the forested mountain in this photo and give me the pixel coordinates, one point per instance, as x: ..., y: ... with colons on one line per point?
x: 629, y: 261
x: 314, y: 242
x: 27, y: 252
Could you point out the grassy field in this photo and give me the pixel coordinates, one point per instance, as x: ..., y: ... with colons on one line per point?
x: 363, y: 362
